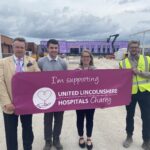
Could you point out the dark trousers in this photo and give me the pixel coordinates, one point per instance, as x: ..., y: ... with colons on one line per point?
x: 49, y: 132
x: 11, y: 124
x: 89, y: 115
x: 143, y: 99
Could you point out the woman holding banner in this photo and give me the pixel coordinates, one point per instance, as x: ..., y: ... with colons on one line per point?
x: 86, y: 63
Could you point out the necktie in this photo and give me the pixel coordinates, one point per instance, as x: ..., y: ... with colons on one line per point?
x: 18, y: 65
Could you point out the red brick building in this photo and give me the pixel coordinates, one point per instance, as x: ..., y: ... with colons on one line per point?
x: 6, y: 45
x: 32, y: 47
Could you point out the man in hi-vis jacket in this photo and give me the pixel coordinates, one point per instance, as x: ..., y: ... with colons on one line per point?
x: 140, y: 93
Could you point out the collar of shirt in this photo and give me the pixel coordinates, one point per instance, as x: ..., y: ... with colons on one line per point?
x: 16, y: 59
x: 51, y: 59
x: 134, y: 60
x: 136, y: 57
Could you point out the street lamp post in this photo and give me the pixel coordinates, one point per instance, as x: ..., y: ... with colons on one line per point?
x: 143, y: 40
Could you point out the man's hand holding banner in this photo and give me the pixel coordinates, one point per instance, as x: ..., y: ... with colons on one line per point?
x: 41, y: 92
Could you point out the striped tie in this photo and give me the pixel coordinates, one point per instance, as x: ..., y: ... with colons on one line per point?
x: 18, y: 65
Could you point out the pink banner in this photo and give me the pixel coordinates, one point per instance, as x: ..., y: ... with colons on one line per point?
x: 54, y: 91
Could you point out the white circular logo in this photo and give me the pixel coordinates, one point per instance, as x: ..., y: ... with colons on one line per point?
x: 44, y: 98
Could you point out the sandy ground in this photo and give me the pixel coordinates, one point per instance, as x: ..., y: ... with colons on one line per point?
x: 108, y: 131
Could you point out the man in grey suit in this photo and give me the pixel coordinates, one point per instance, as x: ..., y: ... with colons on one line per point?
x: 52, y: 63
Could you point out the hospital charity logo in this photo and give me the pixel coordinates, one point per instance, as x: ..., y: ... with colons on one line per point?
x: 44, y: 98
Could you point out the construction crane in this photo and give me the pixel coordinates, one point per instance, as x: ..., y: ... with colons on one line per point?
x: 143, y: 40
x: 113, y: 41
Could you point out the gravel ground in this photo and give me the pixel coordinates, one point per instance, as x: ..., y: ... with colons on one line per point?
x: 109, y: 124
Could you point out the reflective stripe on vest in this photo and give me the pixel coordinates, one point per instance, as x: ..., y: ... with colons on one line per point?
x: 141, y: 82
x: 146, y: 64
x: 138, y: 83
x: 124, y: 64
x: 145, y: 60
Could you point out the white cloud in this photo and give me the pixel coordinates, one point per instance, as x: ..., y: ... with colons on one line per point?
x: 73, y: 19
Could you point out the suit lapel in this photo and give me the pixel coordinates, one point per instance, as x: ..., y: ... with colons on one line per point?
x: 12, y: 65
x: 25, y: 64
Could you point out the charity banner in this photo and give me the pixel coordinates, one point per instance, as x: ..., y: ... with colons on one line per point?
x: 53, y: 91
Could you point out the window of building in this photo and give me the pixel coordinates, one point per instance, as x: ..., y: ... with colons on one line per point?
x: 81, y: 48
x: 99, y: 49
x: 116, y: 47
x: 108, y: 49
x: 104, y: 49
x: 92, y: 48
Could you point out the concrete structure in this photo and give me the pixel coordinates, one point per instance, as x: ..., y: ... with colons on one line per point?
x: 5, y: 46
x: 76, y: 47
x: 32, y: 47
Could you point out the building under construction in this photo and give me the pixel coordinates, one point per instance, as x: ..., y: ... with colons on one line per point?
x: 96, y: 47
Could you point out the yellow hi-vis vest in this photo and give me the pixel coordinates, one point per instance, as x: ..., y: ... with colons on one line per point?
x: 139, y: 83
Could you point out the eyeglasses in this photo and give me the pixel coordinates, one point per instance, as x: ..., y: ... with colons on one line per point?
x: 86, y: 56
x: 133, y: 47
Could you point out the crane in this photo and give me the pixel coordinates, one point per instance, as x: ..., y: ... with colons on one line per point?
x: 113, y: 41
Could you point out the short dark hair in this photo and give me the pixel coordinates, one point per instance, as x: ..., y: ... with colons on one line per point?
x: 52, y: 41
x: 20, y: 39
x: 133, y: 42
